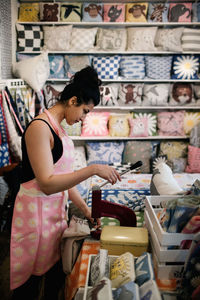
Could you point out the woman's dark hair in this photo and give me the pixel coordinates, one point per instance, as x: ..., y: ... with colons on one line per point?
x: 84, y: 85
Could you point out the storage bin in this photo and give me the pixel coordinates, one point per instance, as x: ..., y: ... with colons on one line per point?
x: 120, y: 239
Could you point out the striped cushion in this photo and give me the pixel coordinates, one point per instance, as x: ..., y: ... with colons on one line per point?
x: 132, y: 66
x: 191, y: 39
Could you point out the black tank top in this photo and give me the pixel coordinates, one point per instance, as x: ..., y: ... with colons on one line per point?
x: 27, y: 171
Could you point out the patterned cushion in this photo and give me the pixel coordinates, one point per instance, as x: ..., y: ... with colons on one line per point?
x: 111, y: 39
x: 132, y: 67
x: 173, y: 149
x: 193, y: 165
x: 50, y: 12
x: 72, y: 130
x: 169, y: 39
x: 119, y: 125
x: 74, y: 63
x: 104, y: 152
x: 180, y: 12
x: 70, y: 12
x: 95, y: 124
x: 30, y: 37
x: 136, y: 12
x: 191, y: 119
x: 158, y: 12
x: 181, y: 94
x: 190, y: 39
x: 113, y: 12
x: 171, y: 123
x: 151, y: 121
x: 130, y: 93
x: 107, y: 66
x: 57, y: 37
x: 158, y: 67
x: 155, y: 94
x: 195, y: 136
x: 52, y: 93
x: 92, y: 12
x: 138, y: 150
x: 185, y: 67
x: 56, y: 63
x: 144, y: 268
x: 29, y: 12
x: 108, y: 94
x: 83, y: 38
x: 138, y: 126
x: 140, y: 38
x: 195, y: 12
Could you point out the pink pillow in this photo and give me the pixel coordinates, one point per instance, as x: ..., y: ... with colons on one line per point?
x: 95, y: 124
x: 193, y: 160
x: 175, y: 10
x: 114, y: 12
x: 138, y: 126
x: 171, y: 123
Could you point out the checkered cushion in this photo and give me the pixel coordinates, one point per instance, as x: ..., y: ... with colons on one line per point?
x: 30, y: 37
x: 107, y: 66
x: 83, y: 38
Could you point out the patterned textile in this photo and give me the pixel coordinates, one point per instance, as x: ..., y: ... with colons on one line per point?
x: 29, y: 12
x: 113, y: 12
x: 180, y: 12
x: 158, y: 12
x: 107, y: 67
x: 95, y: 124
x: 109, y: 94
x: 132, y: 66
x: 50, y: 12
x: 158, y: 67
x: 119, y: 125
x: 92, y: 12
x: 30, y: 37
x: 193, y: 226
x: 130, y: 94
x: 83, y: 38
x: 56, y: 64
x: 4, y: 151
x: 70, y: 12
x: 185, y: 67
x: 57, y: 37
x: 111, y: 39
x: 155, y: 94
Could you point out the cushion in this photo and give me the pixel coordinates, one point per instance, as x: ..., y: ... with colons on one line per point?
x: 70, y: 12
x: 179, y: 165
x: 151, y: 121
x: 158, y: 12
x: 35, y: 71
x: 72, y: 130
x: 119, y: 125
x: 50, y: 12
x: 185, y: 67
x: 56, y: 64
x: 149, y: 290
x: 173, y: 149
x: 132, y: 66
x: 190, y: 39
x: 21, y: 56
x: 140, y: 38
x: 111, y: 39
x: 144, y: 268
x: 29, y: 37
x: 191, y: 119
x: 108, y: 94
x: 113, y: 12
x: 196, y: 87
x: 95, y: 124
x: 169, y: 39
x: 193, y: 164
x: 130, y: 94
x: 29, y: 12
x: 74, y: 63
x: 195, y: 136
x: 107, y: 67
x: 195, y: 12
x: 180, y: 12
x: 138, y: 150
x: 158, y: 67
x: 83, y: 38
x: 155, y: 94
x: 181, y: 94
x: 92, y: 12
x: 131, y: 288
x: 138, y: 126
x: 136, y: 12
x: 57, y: 37
x: 52, y: 93
x: 79, y: 157
x: 104, y: 152
x: 171, y: 123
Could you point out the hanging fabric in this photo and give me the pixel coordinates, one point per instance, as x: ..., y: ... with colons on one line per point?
x: 5, y: 159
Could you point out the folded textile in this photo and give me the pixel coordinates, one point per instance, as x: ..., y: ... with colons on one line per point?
x: 193, y: 226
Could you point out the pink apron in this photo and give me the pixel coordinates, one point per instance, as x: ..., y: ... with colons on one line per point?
x: 39, y: 221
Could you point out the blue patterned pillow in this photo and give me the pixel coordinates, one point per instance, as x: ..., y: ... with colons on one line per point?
x: 158, y: 12
x: 158, y: 67
x: 107, y: 67
x: 132, y: 66
x: 56, y: 63
x: 185, y: 67
x: 104, y: 152
x: 92, y: 12
x: 144, y: 268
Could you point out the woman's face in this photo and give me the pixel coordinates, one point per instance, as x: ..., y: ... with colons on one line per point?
x: 75, y: 114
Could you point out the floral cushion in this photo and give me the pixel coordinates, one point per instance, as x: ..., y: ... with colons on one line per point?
x: 57, y: 37
x: 171, y: 123
x: 191, y: 119
x: 107, y: 67
x: 158, y: 12
x: 132, y: 66
x: 193, y: 164
x: 50, y: 12
x: 70, y: 12
x: 74, y: 63
x: 180, y: 12
x: 151, y: 121
x: 108, y: 94
x: 95, y: 124
x: 113, y: 12
x: 29, y: 12
x: 119, y: 125
x: 138, y: 126
x: 92, y: 12
x: 169, y: 39
x: 155, y: 94
x: 29, y: 37
x: 56, y: 63
x: 141, y: 38
x: 83, y: 38
x: 111, y: 39
x: 181, y: 94
x: 130, y: 93
x: 185, y: 67
x: 158, y: 67
x: 136, y: 12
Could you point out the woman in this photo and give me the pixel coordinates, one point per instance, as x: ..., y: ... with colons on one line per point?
x: 39, y: 217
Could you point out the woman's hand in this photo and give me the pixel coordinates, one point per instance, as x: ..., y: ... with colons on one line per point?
x: 95, y: 222
x: 108, y: 173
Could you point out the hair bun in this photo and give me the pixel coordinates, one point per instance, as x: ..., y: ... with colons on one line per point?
x: 86, y: 76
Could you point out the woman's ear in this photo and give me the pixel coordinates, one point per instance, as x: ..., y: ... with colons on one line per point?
x: 73, y: 100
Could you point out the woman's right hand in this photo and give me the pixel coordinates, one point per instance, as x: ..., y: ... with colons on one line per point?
x: 107, y: 172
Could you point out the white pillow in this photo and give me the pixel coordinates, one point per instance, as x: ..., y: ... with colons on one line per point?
x: 169, y: 39
x: 35, y: 70
x: 156, y: 94
x: 83, y: 38
x: 141, y: 39
x: 111, y: 39
x: 57, y: 37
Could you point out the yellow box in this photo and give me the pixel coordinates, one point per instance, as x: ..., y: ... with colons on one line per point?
x: 120, y: 239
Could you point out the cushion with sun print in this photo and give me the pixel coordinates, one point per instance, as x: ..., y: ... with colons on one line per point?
x: 185, y: 67
x: 95, y: 124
